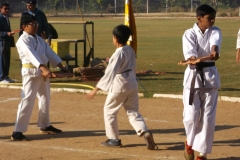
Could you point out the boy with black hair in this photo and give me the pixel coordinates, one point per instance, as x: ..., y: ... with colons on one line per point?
x: 201, y: 83
x: 120, y: 82
x: 6, y: 42
x: 34, y: 53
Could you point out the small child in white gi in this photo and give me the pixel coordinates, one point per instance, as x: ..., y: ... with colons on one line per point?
x: 34, y: 53
x: 202, y: 81
x: 238, y: 47
x: 120, y: 82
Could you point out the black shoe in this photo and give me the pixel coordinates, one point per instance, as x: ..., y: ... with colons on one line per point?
x: 50, y: 130
x: 149, y: 140
x: 18, y: 136
x: 112, y: 143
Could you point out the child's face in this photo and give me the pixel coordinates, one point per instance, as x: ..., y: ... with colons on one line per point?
x: 207, y: 21
x: 31, y: 28
x: 4, y: 10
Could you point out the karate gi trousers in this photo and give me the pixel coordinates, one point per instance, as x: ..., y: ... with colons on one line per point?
x: 199, y: 118
x: 33, y: 87
x: 129, y: 100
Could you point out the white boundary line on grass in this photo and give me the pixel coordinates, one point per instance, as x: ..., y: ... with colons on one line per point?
x: 9, y: 99
x: 73, y: 90
x: 84, y: 150
x: 220, y: 98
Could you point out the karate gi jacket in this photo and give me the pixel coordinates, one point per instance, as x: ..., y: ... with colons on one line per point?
x: 197, y: 44
x: 34, y: 50
x: 120, y: 73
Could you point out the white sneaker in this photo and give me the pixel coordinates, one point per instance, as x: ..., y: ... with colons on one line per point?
x: 4, y: 81
x: 9, y: 80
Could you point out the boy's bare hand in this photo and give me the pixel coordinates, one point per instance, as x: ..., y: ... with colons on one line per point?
x: 214, y: 55
x: 10, y: 33
x: 91, y: 94
x: 45, y: 71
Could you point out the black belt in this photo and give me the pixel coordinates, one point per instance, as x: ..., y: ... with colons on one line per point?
x: 199, y: 69
x: 201, y: 65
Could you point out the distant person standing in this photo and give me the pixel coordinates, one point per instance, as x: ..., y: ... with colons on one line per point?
x: 43, y: 29
x: 6, y: 42
x: 238, y: 47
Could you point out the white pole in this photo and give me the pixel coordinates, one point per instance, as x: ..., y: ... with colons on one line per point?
x: 166, y: 5
x: 191, y: 6
x: 147, y: 6
x: 115, y: 7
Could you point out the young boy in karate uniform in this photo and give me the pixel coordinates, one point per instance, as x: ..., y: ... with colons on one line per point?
x: 120, y: 82
x: 34, y: 53
x: 201, y: 83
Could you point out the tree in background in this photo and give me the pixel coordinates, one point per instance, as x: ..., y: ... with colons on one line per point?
x: 100, y: 3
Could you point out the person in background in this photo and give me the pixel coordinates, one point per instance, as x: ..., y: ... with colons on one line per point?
x: 43, y: 28
x: 238, y: 47
x: 6, y: 42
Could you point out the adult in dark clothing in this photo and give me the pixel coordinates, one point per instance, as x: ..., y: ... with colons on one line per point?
x: 43, y: 29
x: 6, y: 42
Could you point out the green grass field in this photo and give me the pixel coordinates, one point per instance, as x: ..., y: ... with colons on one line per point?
x: 159, y: 49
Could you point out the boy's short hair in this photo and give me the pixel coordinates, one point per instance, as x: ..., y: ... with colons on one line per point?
x: 205, y: 9
x: 122, y: 32
x: 27, y: 18
x: 4, y: 4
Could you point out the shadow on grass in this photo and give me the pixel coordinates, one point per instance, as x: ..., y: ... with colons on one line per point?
x: 3, y: 124
x: 157, y: 78
x: 229, y: 89
x: 228, y: 158
x: 182, y: 73
x: 91, y: 133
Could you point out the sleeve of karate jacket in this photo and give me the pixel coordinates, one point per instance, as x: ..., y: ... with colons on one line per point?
x: 216, y: 38
x: 189, y: 41
x: 112, y: 69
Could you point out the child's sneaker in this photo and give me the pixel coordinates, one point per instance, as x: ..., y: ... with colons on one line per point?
x: 18, y: 136
x: 50, y: 130
x: 201, y: 158
x: 151, y: 145
x: 112, y: 143
x: 188, y: 152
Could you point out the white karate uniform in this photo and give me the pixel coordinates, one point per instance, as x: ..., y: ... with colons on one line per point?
x: 238, y: 40
x: 34, y: 51
x: 199, y: 118
x: 120, y: 82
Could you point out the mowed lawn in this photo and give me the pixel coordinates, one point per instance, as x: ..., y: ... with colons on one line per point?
x: 159, y: 49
